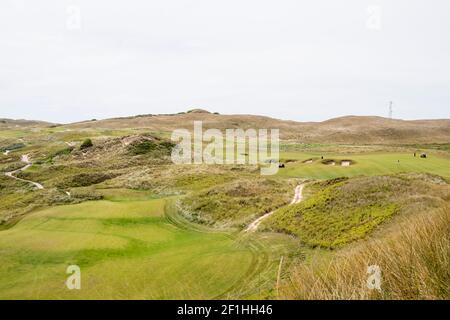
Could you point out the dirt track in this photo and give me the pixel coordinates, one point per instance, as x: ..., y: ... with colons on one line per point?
x: 298, y: 197
x: 25, y: 159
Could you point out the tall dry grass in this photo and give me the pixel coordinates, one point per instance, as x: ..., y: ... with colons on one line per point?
x: 414, y: 259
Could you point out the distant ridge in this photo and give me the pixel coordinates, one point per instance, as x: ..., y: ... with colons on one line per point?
x: 344, y: 130
x: 341, y: 130
x: 4, y: 122
x: 198, y: 111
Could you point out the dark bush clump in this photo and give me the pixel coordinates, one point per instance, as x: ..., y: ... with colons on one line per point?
x: 12, y: 147
x: 163, y: 148
x: 85, y: 180
x: 86, y: 144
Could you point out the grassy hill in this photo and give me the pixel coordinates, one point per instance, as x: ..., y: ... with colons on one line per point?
x: 340, y: 211
x: 398, y: 223
x: 351, y: 129
x: 412, y: 256
x: 18, y: 123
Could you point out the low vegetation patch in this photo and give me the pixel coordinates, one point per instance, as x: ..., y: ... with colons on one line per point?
x: 58, y: 153
x: 154, y: 148
x: 340, y: 211
x: 413, y: 259
x: 11, y: 147
x: 237, y: 202
x: 86, y: 144
x: 85, y: 179
x: 11, y: 166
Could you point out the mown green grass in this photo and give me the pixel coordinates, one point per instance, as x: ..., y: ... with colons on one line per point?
x: 125, y: 249
x: 370, y: 164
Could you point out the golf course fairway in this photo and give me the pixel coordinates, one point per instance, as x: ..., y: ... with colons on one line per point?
x: 125, y: 250
x: 369, y: 164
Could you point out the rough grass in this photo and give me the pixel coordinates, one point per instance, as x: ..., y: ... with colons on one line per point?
x: 413, y: 257
x: 11, y: 147
x: 237, y: 202
x: 169, y: 179
x: 85, y: 179
x: 341, y: 211
x: 155, y: 148
x: 58, y: 153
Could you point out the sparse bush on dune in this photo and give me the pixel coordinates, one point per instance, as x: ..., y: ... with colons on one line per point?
x: 154, y: 148
x: 413, y: 258
x: 86, y: 144
x: 14, y: 146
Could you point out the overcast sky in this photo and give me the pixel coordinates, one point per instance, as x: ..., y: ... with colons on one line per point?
x: 65, y: 61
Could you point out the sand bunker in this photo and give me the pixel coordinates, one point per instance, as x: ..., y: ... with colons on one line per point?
x: 342, y: 163
x: 347, y: 163
x: 329, y: 162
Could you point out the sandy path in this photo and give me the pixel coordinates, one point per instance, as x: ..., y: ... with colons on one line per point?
x: 71, y: 144
x: 298, y: 197
x: 25, y: 159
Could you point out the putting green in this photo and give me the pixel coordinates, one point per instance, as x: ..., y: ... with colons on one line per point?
x: 366, y: 164
x: 125, y: 249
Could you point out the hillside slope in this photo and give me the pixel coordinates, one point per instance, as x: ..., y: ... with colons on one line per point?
x: 349, y: 129
x: 340, y: 211
x: 18, y: 123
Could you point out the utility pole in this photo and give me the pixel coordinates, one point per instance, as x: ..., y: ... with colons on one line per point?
x: 390, y: 109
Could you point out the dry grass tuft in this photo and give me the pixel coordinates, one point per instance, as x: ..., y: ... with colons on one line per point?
x: 414, y: 258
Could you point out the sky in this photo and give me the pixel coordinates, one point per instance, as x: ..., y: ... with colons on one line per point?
x: 70, y: 60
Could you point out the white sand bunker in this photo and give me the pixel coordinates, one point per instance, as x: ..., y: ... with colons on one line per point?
x: 342, y: 163
x: 347, y: 163
x: 308, y: 161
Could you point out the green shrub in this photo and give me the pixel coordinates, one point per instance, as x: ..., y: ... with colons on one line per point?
x: 86, y: 144
x: 13, y: 146
x: 163, y: 148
